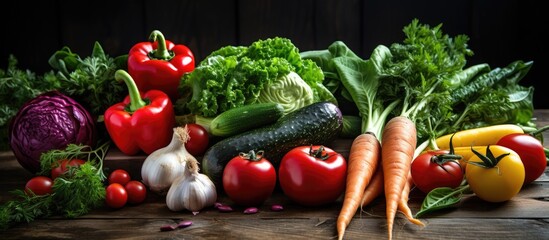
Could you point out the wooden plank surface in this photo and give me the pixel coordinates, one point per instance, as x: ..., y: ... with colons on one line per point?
x: 524, y: 217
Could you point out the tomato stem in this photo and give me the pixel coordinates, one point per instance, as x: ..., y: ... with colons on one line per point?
x: 252, y: 155
x: 318, y: 153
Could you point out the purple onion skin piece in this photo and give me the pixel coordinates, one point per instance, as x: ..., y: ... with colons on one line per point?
x: 277, y: 207
x: 184, y: 224
x: 49, y: 121
x: 251, y: 210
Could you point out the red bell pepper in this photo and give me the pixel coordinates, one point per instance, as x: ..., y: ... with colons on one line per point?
x: 159, y: 64
x: 142, y: 121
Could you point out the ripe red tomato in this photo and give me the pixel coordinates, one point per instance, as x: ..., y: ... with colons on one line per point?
x: 116, y: 196
x: 62, y: 166
x: 199, y: 139
x: 119, y: 176
x: 39, y: 185
x: 312, y: 175
x: 530, y: 151
x: 249, y: 179
x: 429, y: 173
x: 137, y: 192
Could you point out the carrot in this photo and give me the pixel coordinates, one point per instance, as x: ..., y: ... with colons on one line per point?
x: 374, y: 189
x: 403, y: 203
x: 397, y: 151
x: 362, y: 163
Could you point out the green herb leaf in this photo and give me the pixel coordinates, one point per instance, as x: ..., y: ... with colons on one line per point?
x: 441, y: 198
x: 74, y: 194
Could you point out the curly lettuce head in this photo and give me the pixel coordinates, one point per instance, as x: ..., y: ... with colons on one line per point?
x: 290, y: 91
x: 234, y: 76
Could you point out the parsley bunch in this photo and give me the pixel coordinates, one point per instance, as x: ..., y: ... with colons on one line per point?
x: 73, y: 194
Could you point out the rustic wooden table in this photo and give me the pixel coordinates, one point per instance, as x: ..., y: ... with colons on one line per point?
x: 524, y: 217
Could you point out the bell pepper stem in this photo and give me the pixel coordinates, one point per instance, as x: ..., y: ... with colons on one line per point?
x: 161, y: 52
x: 135, y: 98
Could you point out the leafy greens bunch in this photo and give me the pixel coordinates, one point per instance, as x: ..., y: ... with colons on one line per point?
x: 74, y: 193
x: 235, y: 76
x: 425, y: 79
x: 88, y: 80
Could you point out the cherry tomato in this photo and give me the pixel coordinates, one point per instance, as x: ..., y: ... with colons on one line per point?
x: 62, y: 166
x: 119, y: 176
x: 137, y: 192
x: 432, y: 169
x: 497, y: 183
x: 116, y: 196
x: 312, y: 175
x: 198, y: 141
x: 39, y: 185
x: 249, y: 179
x: 530, y: 151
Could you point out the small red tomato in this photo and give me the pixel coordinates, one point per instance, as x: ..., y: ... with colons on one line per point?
x: 531, y: 154
x: 39, y: 185
x: 198, y: 139
x: 119, y: 176
x: 137, y: 192
x: 432, y: 169
x: 249, y: 179
x: 116, y: 196
x: 62, y: 166
x: 312, y: 175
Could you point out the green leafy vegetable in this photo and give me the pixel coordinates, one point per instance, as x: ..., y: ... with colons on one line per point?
x: 234, y: 76
x: 74, y: 194
x: 404, y: 79
x: 89, y: 80
x: 425, y: 78
x: 290, y: 91
x: 361, y: 78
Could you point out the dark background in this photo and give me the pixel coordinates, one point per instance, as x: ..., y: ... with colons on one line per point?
x: 500, y: 31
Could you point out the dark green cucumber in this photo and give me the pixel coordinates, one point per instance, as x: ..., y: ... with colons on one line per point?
x: 317, y: 124
x: 240, y: 119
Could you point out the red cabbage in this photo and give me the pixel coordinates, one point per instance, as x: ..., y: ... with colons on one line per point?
x: 49, y: 121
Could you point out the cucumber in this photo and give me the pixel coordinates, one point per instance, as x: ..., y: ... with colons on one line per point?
x: 316, y: 124
x: 240, y: 119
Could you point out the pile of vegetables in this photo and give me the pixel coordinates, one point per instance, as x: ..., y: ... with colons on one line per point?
x: 272, y: 106
x: 492, y: 162
x: 88, y: 80
x: 79, y: 170
x: 414, y: 91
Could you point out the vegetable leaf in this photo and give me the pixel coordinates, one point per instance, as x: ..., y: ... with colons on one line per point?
x: 234, y: 76
x: 73, y: 194
x: 441, y: 198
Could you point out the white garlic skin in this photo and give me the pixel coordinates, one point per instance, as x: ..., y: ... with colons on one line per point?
x: 193, y: 191
x: 159, y: 174
x: 163, y: 166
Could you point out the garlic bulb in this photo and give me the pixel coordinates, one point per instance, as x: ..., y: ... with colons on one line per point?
x: 164, y: 165
x: 192, y: 191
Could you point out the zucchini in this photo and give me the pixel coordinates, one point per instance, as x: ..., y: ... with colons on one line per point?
x: 316, y: 124
x: 241, y: 119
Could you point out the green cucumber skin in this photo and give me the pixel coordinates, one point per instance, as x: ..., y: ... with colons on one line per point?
x: 316, y: 124
x: 237, y: 120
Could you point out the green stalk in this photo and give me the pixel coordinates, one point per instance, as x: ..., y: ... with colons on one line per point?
x: 161, y: 52
x: 135, y: 98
